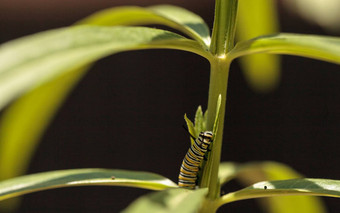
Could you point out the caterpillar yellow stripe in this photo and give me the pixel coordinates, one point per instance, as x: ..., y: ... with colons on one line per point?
x: 190, y: 166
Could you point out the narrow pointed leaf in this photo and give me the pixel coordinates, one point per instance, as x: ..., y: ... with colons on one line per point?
x: 168, y: 15
x: 57, y: 55
x: 82, y: 177
x: 217, y: 116
x: 208, y: 165
x: 15, y: 126
x: 256, y: 18
x: 199, y: 121
x: 19, y: 137
x: 253, y: 172
x: 30, y: 61
x: 169, y: 201
x: 191, y: 128
x: 51, y: 94
x: 205, y: 118
x: 307, y: 186
x: 186, y: 21
x: 324, y: 48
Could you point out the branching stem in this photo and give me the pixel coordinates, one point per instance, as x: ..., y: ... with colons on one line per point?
x: 222, y: 42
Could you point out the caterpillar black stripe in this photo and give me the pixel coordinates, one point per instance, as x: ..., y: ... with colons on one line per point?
x: 189, y: 169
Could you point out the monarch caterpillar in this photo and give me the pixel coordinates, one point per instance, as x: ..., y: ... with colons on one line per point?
x: 187, y: 177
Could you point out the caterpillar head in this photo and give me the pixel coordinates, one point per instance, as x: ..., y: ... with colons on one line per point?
x: 207, y: 137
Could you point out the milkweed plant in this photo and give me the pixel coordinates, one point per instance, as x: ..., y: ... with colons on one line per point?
x: 38, y: 71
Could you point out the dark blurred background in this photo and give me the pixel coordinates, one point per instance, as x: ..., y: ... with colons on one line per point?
x: 128, y: 111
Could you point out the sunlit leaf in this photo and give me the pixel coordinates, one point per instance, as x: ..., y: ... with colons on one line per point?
x: 253, y: 172
x: 217, y: 116
x: 28, y: 62
x: 256, y: 18
x: 324, y: 48
x: 208, y: 165
x: 199, y: 120
x: 171, y: 200
x: 205, y: 118
x: 18, y: 137
x: 191, y: 128
x: 172, y: 16
x: 82, y: 177
x: 307, y: 186
x: 32, y: 61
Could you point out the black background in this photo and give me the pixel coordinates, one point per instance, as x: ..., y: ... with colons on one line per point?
x: 128, y: 111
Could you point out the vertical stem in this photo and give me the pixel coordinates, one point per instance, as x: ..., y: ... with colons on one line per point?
x: 218, y: 85
x: 223, y: 34
x: 222, y: 42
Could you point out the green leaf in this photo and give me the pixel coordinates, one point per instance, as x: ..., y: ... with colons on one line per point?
x: 171, y: 200
x: 256, y: 18
x: 253, y: 172
x: 227, y: 171
x: 168, y: 15
x: 28, y: 62
x: 324, y: 48
x: 18, y: 137
x: 82, y: 177
x: 199, y: 120
x: 217, y: 117
x: 191, y: 128
x: 307, y: 186
x: 208, y: 165
x: 205, y: 118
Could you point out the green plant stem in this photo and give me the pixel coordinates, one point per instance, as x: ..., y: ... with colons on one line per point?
x: 222, y: 42
x: 223, y: 34
x: 218, y: 85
